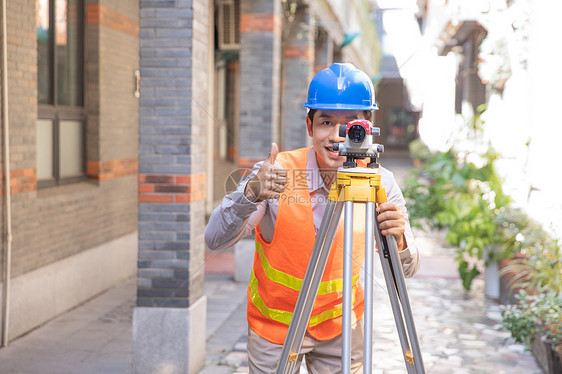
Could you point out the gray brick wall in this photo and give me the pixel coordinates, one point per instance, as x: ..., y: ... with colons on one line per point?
x: 298, y: 63
x: 173, y: 112
x: 297, y: 77
x: 323, y: 50
x: 260, y: 63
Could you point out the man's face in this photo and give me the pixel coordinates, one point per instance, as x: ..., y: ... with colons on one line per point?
x: 324, y: 130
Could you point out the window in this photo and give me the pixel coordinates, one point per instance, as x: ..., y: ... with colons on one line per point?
x: 60, y: 92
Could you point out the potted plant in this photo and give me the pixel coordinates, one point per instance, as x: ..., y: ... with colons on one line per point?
x: 536, y: 317
x: 538, y: 264
x: 536, y: 322
x: 419, y: 152
x: 510, y: 224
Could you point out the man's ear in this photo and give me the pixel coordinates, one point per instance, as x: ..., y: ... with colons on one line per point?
x: 309, y: 126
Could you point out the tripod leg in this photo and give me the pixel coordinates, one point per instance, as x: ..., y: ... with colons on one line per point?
x: 394, y: 276
x: 347, y: 274
x: 309, y: 288
x: 405, y: 301
x: 394, y: 302
x: 369, y: 273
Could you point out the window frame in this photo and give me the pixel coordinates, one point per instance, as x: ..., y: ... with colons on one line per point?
x: 55, y: 112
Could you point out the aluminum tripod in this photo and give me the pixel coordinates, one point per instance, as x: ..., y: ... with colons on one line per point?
x: 354, y: 185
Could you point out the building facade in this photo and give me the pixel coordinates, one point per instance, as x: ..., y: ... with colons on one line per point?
x: 123, y: 120
x: 71, y: 116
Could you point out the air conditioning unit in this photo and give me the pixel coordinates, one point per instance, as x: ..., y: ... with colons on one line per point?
x: 228, y: 24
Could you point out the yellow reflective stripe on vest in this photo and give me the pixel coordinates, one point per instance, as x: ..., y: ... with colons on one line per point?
x: 284, y: 316
x: 295, y: 283
x: 274, y: 314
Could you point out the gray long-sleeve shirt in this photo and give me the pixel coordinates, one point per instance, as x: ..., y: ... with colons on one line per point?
x: 236, y: 216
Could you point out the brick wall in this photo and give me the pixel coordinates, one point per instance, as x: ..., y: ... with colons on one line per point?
x: 22, y: 61
x: 53, y: 223
x: 323, y: 50
x: 119, y: 58
x: 173, y: 116
x: 298, y: 62
x: 260, y: 63
x: 199, y: 121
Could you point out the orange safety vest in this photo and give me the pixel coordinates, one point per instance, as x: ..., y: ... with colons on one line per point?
x: 279, y: 267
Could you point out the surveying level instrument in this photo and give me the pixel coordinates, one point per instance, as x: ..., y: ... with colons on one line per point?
x: 355, y: 185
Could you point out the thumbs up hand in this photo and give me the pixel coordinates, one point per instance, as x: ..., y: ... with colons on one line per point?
x: 272, y: 154
x: 269, y: 182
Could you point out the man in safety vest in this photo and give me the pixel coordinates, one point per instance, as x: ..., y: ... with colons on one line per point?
x: 284, y: 201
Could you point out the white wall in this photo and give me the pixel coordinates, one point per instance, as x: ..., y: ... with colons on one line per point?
x: 524, y: 123
x: 544, y: 171
x: 42, y: 294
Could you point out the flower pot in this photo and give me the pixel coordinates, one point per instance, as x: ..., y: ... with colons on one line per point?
x: 557, y: 359
x: 547, y: 355
x: 507, y: 290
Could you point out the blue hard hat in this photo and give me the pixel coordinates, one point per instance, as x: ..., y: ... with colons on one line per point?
x: 341, y: 87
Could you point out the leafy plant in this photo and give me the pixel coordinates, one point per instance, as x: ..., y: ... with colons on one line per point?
x: 540, y: 268
x: 419, y: 151
x: 427, y: 187
x: 534, y: 314
x: 448, y: 191
x: 511, y: 224
x: 461, y: 191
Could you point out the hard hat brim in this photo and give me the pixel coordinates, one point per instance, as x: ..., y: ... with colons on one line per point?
x: 341, y: 106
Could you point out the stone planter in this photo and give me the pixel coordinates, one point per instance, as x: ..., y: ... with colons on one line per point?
x: 548, y: 357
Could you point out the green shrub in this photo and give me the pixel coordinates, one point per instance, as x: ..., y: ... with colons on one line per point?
x: 540, y: 264
x: 447, y: 191
x: 534, y: 314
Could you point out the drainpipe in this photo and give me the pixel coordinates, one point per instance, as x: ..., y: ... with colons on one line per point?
x: 8, y: 210
x: 209, y: 203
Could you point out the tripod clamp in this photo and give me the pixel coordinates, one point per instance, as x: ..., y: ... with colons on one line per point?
x: 359, y: 185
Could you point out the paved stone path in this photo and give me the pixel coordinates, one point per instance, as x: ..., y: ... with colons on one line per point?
x: 458, y: 330
x: 94, y: 338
